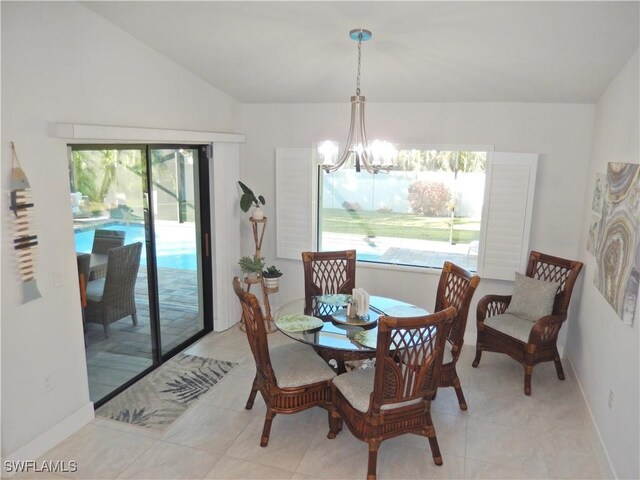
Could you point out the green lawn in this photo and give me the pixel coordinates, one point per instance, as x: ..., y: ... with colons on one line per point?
x: 401, y: 225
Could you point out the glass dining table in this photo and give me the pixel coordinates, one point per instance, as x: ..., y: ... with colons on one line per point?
x: 322, y: 322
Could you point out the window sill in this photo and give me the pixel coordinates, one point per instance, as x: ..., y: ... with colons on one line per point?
x: 399, y: 268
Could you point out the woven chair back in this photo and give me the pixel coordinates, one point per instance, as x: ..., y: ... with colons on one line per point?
x: 409, y: 356
x: 456, y: 289
x: 105, y: 240
x: 329, y: 272
x: 122, y: 271
x: 555, y: 269
x: 256, y: 331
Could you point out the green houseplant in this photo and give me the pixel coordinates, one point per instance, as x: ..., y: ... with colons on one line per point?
x: 271, y: 276
x: 252, y: 266
x: 249, y: 199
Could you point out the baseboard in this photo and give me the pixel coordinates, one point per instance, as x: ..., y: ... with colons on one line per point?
x: 602, y: 455
x: 49, y: 439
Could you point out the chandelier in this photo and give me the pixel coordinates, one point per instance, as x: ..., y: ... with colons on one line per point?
x: 375, y: 157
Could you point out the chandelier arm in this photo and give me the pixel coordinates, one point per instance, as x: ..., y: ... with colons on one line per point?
x: 366, y: 154
x: 347, y: 147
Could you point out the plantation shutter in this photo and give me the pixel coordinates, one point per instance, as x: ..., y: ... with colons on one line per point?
x: 507, y: 213
x: 296, y: 210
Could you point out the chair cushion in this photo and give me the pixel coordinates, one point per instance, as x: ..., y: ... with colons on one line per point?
x: 512, y: 325
x: 95, y: 289
x: 532, y: 298
x: 296, y: 364
x: 356, y: 387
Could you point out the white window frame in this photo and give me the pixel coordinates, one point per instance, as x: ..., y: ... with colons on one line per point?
x: 295, y: 167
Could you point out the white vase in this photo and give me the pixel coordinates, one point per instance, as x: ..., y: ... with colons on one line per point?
x: 271, y: 282
x: 257, y: 214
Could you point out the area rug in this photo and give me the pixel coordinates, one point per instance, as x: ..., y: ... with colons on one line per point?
x: 166, y: 393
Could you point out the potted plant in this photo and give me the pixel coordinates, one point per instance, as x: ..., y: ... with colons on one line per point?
x: 251, y: 266
x: 271, y: 277
x: 249, y: 199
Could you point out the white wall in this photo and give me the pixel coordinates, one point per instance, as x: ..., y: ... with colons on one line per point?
x: 63, y: 63
x: 560, y: 133
x: 604, y: 352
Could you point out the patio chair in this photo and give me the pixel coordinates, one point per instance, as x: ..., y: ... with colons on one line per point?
x: 103, y: 241
x: 525, y: 325
x: 394, y: 398
x: 290, y: 377
x: 112, y: 297
x: 455, y: 289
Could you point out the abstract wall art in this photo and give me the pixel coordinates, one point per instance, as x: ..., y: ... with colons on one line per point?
x: 617, y: 242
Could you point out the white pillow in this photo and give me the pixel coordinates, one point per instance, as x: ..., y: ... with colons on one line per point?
x: 532, y: 298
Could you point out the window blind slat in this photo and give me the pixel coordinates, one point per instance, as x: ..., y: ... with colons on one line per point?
x: 295, y: 206
x: 507, y: 215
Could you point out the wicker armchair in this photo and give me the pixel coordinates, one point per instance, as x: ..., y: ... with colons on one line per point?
x: 290, y: 377
x: 395, y: 397
x: 112, y: 297
x: 329, y: 272
x: 103, y: 241
x: 537, y: 344
x: 455, y: 289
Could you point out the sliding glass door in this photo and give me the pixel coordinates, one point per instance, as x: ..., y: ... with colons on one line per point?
x: 155, y: 196
x: 176, y: 205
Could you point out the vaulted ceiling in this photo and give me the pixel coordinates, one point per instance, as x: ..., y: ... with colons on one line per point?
x: 286, y: 52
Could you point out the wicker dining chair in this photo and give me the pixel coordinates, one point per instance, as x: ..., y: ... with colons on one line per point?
x: 103, y: 241
x: 525, y: 339
x: 112, y: 297
x: 455, y: 289
x: 394, y: 398
x: 329, y: 272
x: 290, y: 377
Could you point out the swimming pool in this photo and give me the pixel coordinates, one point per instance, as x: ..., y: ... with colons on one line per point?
x: 175, y: 242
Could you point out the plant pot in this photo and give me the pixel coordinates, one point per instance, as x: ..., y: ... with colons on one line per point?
x: 257, y: 214
x: 271, y: 282
x: 253, y: 276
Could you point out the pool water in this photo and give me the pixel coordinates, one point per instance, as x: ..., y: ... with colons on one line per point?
x: 175, y: 243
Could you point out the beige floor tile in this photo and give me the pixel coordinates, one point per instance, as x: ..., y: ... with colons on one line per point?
x: 304, y: 476
x: 170, y: 461
x: 234, y: 468
x: 402, y: 462
x: 101, y: 453
x: 208, y: 428
x: 568, y: 457
x: 343, y: 457
x: 290, y: 437
x: 477, y: 470
x: 505, y: 445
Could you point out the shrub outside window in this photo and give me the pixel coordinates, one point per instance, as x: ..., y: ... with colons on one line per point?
x: 428, y: 209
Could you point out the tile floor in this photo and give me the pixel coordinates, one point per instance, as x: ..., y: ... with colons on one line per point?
x: 503, y: 434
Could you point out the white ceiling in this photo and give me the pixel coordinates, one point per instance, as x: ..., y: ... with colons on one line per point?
x: 284, y: 52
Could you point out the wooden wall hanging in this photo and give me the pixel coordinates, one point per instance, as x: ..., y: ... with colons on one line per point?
x: 25, y: 241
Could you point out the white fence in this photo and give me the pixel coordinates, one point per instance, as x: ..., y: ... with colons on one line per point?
x: 373, y: 192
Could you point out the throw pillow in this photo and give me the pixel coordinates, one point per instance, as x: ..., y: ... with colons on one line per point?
x: 532, y: 298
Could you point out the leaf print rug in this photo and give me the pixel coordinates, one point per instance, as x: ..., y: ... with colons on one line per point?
x: 166, y: 393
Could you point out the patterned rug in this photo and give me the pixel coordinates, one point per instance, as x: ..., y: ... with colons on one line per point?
x: 166, y: 393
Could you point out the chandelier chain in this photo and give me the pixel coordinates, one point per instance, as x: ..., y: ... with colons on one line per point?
x: 359, y: 56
